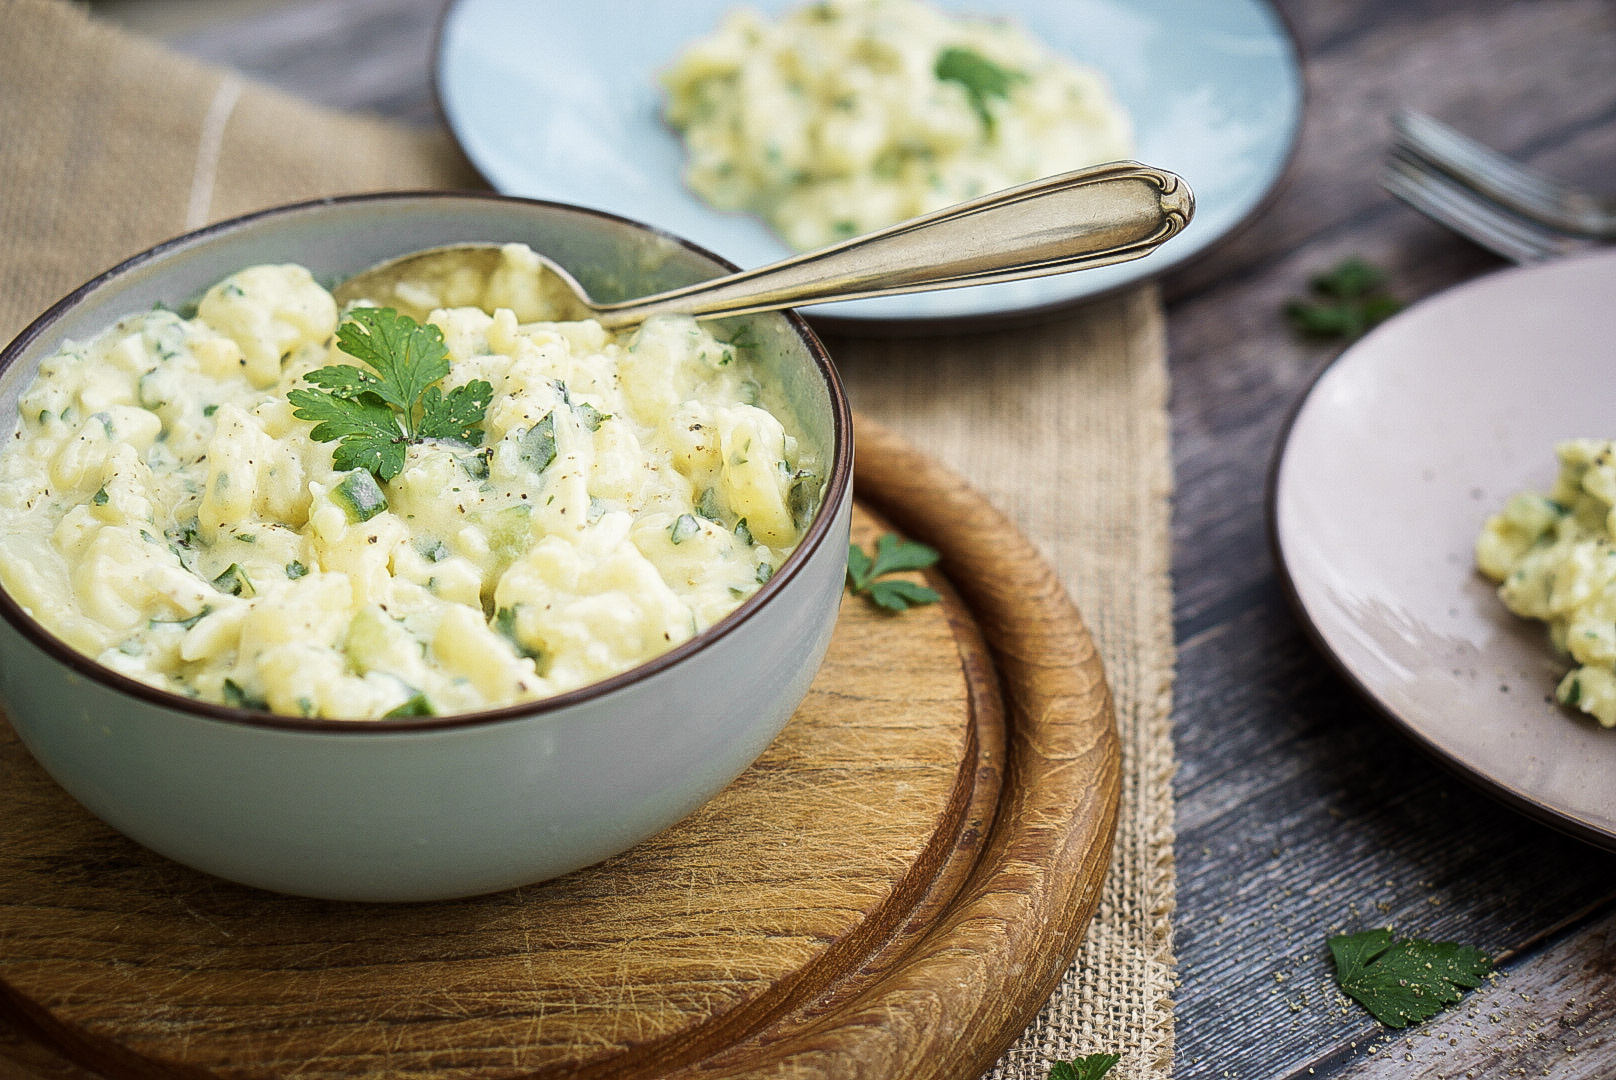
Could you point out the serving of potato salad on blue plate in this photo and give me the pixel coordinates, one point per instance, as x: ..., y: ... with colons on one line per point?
x: 845, y: 116
x: 276, y: 504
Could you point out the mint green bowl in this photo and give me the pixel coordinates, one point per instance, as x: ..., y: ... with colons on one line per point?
x: 434, y: 807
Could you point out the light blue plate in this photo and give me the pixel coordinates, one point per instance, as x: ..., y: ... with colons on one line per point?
x: 561, y: 101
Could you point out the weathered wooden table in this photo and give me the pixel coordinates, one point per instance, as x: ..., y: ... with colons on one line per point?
x: 1300, y: 812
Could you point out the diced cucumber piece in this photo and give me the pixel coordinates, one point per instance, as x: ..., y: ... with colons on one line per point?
x: 360, y: 497
x: 507, y: 531
x: 372, y: 637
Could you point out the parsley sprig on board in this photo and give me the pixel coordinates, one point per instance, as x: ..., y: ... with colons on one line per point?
x: 374, y: 416
x: 1405, y: 982
x: 1344, y: 302
x: 892, y: 556
x: 981, y: 78
x: 1091, y: 1067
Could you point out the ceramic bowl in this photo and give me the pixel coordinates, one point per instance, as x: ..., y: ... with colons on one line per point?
x: 433, y: 807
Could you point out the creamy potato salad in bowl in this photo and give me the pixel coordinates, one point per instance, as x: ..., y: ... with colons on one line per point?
x: 350, y: 603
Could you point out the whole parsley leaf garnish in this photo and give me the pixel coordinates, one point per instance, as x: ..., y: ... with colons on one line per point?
x: 1343, y: 303
x: 373, y: 416
x: 1404, y: 982
x: 892, y: 556
x: 981, y: 78
x: 1091, y: 1067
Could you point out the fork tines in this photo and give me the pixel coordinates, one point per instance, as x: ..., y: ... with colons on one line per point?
x: 1440, y: 197
x: 1523, y: 190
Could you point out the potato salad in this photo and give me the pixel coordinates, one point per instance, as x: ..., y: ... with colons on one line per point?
x: 1554, y: 556
x: 849, y: 115
x: 279, y: 505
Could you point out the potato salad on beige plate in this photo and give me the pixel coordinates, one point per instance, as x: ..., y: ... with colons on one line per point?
x: 1554, y: 556
x: 277, y: 504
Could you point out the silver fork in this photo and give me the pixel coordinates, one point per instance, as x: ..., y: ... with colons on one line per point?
x: 1525, y: 191
x: 1443, y: 199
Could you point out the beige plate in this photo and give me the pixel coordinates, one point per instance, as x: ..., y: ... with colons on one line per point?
x: 1396, y: 456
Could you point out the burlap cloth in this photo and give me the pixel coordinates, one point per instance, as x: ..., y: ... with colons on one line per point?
x: 109, y: 143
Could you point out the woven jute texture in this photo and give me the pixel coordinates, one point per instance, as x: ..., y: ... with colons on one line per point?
x: 1064, y: 427
x: 109, y: 144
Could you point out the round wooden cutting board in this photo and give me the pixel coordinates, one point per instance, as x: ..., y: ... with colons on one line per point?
x: 892, y: 890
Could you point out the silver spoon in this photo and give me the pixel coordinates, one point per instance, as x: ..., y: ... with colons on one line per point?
x: 1073, y: 221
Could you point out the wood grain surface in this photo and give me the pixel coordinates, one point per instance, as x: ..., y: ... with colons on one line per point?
x: 892, y: 890
x: 1302, y: 814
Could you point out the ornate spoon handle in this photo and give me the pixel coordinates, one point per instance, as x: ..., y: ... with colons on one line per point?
x: 1073, y: 221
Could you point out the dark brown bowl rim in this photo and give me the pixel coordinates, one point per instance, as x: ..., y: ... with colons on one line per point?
x: 837, y: 486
